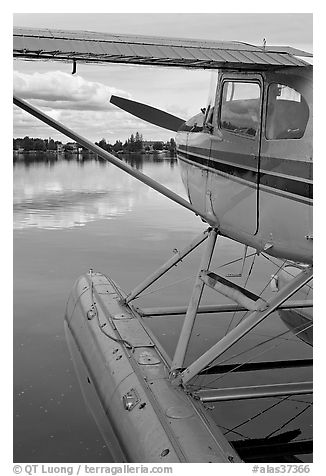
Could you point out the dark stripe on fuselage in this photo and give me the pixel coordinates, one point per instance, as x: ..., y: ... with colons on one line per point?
x: 296, y: 169
x: 282, y: 183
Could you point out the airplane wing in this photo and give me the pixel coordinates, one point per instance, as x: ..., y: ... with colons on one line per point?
x: 93, y: 47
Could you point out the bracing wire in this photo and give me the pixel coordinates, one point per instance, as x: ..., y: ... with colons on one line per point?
x: 258, y: 414
x: 235, y: 312
x: 161, y: 288
x: 233, y: 431
x: 287, y: 272
x: 289, y: 420
x: 249, y: 420
x: 256, y: 355
x: 280, y: 266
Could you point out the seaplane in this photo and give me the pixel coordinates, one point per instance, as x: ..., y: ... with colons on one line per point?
x: 246, y: 164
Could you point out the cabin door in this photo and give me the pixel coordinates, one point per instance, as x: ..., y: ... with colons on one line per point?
x: 235, y: 153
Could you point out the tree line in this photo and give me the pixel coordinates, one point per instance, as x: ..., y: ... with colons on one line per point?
x: 134, y: 143
x: 29, y: 143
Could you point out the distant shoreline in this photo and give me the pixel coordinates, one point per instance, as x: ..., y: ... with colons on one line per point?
x: 86, y: 152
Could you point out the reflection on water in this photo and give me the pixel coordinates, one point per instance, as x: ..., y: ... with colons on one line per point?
x: 69, y: 216
x: 67, y: 193
x: 72, y: 215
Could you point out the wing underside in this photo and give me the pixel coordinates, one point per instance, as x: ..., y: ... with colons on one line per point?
x: 93, y: 47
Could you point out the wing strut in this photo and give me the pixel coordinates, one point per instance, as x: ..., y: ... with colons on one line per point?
x: 106, y: 155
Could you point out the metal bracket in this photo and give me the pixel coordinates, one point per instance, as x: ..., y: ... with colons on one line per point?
x: 122, y: 316
x: 130, y: 399
x: 148, y: 358
x: 92, y: 312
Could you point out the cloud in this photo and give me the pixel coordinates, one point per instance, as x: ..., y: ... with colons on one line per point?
x: 60, y: 90
x: 80, y: 104
x: 94, y: 125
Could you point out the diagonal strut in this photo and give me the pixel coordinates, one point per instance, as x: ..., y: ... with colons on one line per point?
x: 245, y: 326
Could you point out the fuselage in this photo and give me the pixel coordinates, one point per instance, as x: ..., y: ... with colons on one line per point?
x: 247, y: 162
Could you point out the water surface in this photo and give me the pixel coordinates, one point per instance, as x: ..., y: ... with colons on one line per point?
x: 73, y: 215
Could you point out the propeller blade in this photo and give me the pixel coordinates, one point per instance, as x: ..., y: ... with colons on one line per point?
x: 148, y: 113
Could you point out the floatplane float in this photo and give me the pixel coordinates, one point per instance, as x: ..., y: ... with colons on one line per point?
x: 246, y: 163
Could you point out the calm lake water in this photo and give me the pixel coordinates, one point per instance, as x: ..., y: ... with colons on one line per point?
x: 72, y: 215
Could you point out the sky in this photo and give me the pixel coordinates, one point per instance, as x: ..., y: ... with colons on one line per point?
x: 81, y: 101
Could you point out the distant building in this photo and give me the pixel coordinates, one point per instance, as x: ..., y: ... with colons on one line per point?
x: 148, y: 145
x: 73, y: 148
x: 60, y: 148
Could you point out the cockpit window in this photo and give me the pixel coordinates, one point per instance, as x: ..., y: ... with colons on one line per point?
x: 287, y: 113
x: 240, y: 109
